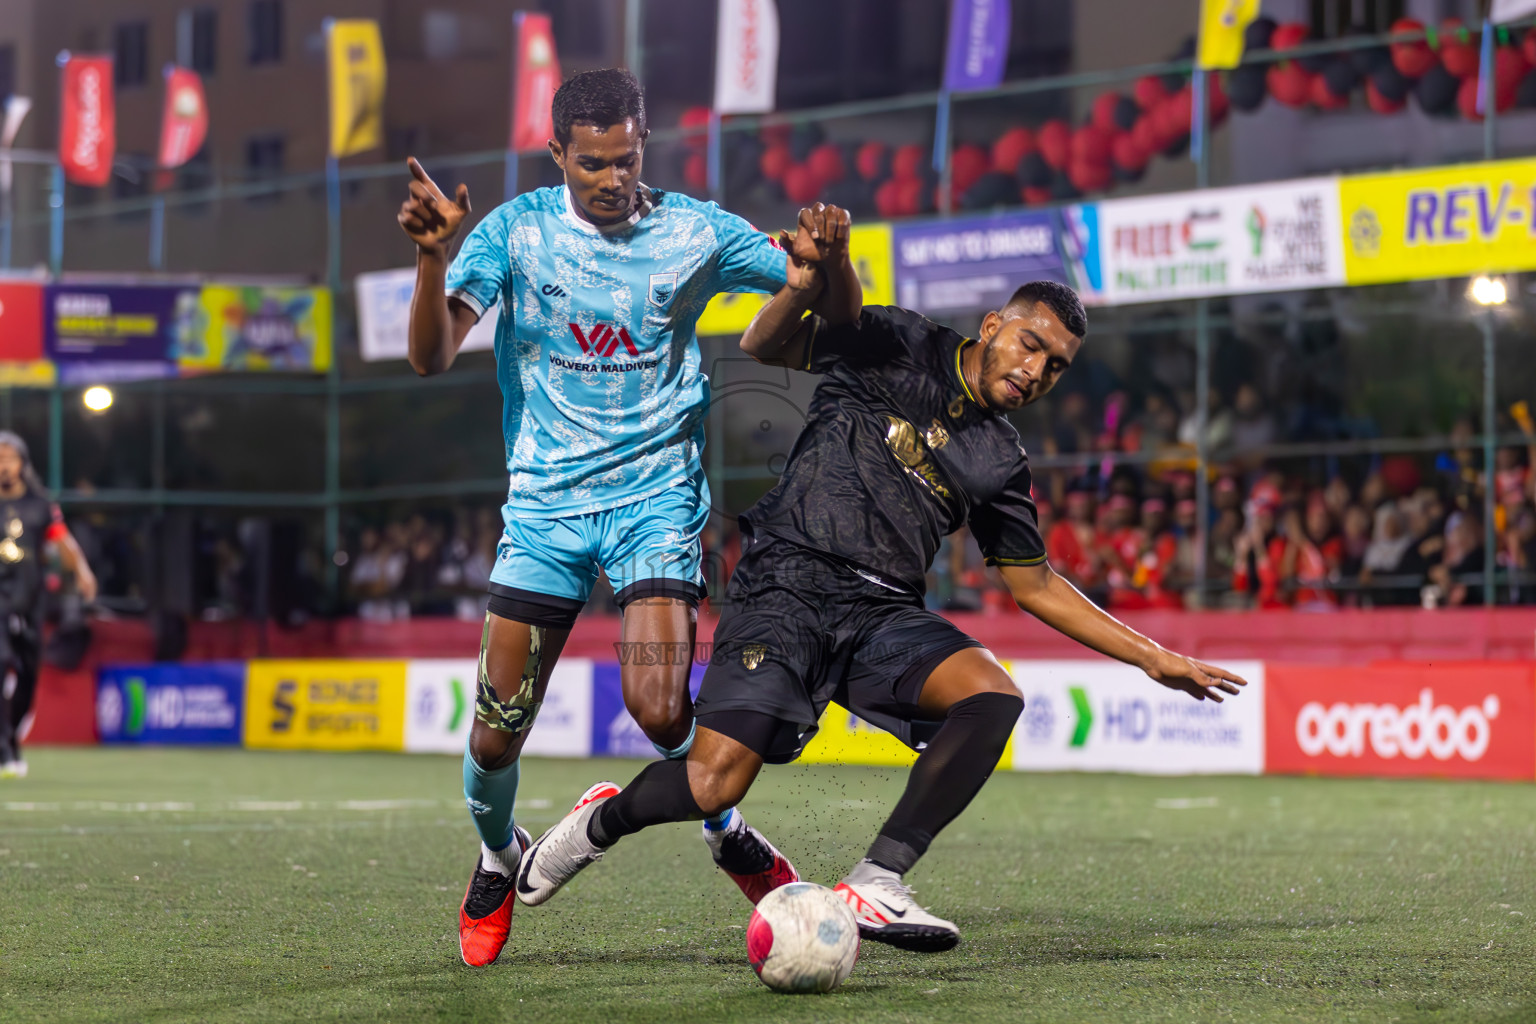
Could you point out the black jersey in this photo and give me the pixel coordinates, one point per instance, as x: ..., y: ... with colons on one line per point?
x: 897, y: 453
x: 26, y: 523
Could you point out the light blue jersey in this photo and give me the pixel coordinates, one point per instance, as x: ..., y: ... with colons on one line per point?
x: 604, y: 398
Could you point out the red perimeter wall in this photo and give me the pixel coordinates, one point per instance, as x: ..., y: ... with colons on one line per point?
x: 65, y: 700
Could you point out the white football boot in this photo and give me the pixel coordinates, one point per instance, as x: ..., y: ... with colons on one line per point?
x: 886, y: 912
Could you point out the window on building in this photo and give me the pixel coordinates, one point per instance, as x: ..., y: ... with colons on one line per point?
x: 266, y: 31
x: 264, y: 160
x: 7, y: 71
x: 1334, y: 18
x: 197, y: 39
x: 130, y: 54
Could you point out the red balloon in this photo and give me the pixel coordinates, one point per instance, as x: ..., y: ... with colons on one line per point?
x: 776, y: 133
x: 1148, y: 90
x: 1379, y: 103
x: 1035, y: 196
x: 909, y: 196
x: 1412, y: 60
x: 1457, y: 51
x: 1217, y: 104
x: 801, y: 185
x: 888, y: 199
x: 1055, y: 140
x: 1324, y: 97
x: 1012, y: 146
x: 908, y: 160
x: 967, y: 164
x: 1104, y: 107
x: 1528, y: 46
x: 1089, y: 177
x: 1129, y: 155
x: 1176, y: 115
x: 1289, y: 35
x: 1466, y: 99
x: 1509, y: 68
x: 869, y: 160
x: 1145, y: 133
x: 1289, y: 83
x: 826, y: 161
x: 774, y: 162
x: 1090, y: 145
x: 696, y: 171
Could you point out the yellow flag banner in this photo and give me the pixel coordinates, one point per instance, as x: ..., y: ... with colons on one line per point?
x: 355, y: 54
x: 869, y: 247
x: 1221, y: 31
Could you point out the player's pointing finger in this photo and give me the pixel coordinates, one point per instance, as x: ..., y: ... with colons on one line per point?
x: 420, y: 174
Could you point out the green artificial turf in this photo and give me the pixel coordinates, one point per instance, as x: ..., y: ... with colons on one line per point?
x: 187, y: 885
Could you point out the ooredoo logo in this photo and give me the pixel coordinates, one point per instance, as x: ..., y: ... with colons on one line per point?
x: 1423, y: 728
x: 1472, y: 720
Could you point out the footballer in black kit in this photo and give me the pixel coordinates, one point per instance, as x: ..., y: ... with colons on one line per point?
x: 907, y: 440
x: 29, y: 521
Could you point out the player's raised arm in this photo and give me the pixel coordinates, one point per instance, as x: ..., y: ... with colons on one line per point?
x: 1057, y: 603
x: 822, y: 236
x: 431, y: 219
x: 778, y: 334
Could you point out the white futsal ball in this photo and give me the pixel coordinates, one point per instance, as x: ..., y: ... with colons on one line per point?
x: 802, y: 938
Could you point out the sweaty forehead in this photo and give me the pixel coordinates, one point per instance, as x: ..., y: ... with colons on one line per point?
x: 604, y: 141
x: 1044, y: 324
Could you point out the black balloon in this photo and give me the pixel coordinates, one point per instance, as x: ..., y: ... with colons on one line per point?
x: 992, y: 189
x: 1247, y: 86
x: 1391, y: 83
x: 1436, y: 92
x: 1127, y: 111
x: 1256, y: 35
x: 1340, y: 76
x: 1034, y: 172
x: 804, y: 138
x: 1525, y: 95
x: 1178, y: 147
x: 1128, y: 177
x: 1062, y: 187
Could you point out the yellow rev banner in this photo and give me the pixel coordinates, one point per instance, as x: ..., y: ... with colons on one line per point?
x: 1446, y: 222
x: 870, y: 249
x: 1221, y: 31
x: 355, y: 56
x: 325, y: 705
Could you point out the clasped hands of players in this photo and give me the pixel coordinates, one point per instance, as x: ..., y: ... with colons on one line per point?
x: 820, y: 239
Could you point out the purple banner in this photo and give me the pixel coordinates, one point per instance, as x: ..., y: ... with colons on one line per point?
x: 102, y: 333
x: 974, y: 265
x: 977, y: 54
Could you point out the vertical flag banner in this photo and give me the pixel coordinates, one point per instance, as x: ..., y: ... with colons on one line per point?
x: 88, y: 125
x: 1221, y: 31
x: 746, y: 57
x: 536, y: 78
x: 1511, y: 10
x: 977, y: 54
x: 16, y: 110
x: 355, y: 54
x: 184, y: 124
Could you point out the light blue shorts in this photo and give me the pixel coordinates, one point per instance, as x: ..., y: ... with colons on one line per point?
x: 545, y: 568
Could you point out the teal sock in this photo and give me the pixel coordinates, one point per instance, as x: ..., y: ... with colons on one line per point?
x: 490, y: 796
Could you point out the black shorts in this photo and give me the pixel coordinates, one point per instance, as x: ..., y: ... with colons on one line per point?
x: 800, y: 630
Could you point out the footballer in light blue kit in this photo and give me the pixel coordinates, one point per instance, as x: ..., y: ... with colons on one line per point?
x: 601, y: 283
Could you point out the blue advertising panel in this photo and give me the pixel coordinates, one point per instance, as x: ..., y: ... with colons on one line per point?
x: 171, y: 703
x: 102, y: 333
x: 614, y: 732
x: 973, y: 265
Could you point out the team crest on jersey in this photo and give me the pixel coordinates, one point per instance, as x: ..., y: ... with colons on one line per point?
x: 752, y: 655
x: 663, y: 287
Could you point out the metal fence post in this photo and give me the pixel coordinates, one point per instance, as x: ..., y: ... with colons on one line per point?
x: 1490, y: 401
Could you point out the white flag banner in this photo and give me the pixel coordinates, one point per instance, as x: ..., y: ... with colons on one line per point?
x: 746, y: 57
x: 384, y: 317
x: 16, y: 108
x: 1511, y: 10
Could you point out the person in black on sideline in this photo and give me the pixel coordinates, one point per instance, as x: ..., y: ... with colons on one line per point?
x: 29, y: 521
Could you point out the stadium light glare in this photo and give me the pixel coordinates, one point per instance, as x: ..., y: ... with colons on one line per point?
x: 97, y: 399
x: 1488, y: 291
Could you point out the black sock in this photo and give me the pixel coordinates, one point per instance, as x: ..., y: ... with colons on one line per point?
x: 946, y: 777
x: 657, y: 795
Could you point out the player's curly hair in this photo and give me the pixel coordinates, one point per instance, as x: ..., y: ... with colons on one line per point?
x: 1059, y: 299
x: 602, y: 98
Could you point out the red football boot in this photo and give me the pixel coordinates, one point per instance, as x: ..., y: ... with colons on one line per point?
x: 753, y: 863
x: 485, y: 918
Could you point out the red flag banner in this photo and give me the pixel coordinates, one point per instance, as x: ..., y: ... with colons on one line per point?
x: 184, y: 125
x: 537, y: 78
x: 88, y: 129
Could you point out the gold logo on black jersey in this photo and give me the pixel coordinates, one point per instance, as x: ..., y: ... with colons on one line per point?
x: 957, y: 407
x: 936, y: 436
x: 910, y: 450
x: 10, y: 551
x: 752, y: 655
